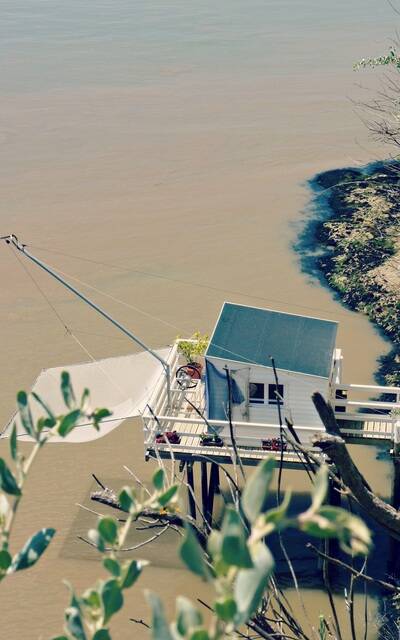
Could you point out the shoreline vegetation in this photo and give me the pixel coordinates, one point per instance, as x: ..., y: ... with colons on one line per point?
x: 357, y: 239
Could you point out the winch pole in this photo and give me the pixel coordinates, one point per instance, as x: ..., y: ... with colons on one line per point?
x: 13, y: 240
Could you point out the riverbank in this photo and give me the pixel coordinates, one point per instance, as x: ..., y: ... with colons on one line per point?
x: 359, y: 247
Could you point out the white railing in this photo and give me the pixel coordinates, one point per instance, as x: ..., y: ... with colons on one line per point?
x: 379, y: 411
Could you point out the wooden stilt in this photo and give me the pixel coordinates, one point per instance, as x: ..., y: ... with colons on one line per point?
x: 190, y: 481
x: 334, y: 499
x: 394, y: 559
x: 204, y: 490
x: 214, y: 481
x: 396, y: 483
x: 217, y: 485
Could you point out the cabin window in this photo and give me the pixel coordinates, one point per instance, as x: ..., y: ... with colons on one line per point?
x: 272, y: 397
x: 256, y: 392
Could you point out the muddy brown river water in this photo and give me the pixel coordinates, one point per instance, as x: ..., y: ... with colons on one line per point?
x: 173, y: 140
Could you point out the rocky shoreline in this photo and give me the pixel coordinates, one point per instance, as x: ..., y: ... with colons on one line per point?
x: 359, y: 247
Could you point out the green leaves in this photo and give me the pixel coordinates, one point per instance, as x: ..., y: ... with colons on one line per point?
x: 68, y: 422
x: 108, y: 529
x: 234, y: 549
x: 112, y: 566
x: 73, y: 619
x: 188, y: 617
x: 193, y: 555
x: 165, y: 498
x: 5, y: 561
x: 13, y: 442
x: 255, y: 493
x: 126, y: 499
x: 159, y: 625
x: 25, y: 413
x: 332, y: 522
x: 225, y: 608
x: 67, y: 390
x: 111, y: 597
x: 7, y: 480
x: 158, y: 479
x: 32, y: 550
x: 251, y: 583
x: 95, y: 537
x: 130, y: 572
x: 98, y: 415
x: 320, y: 488
x: 102, y: 634
x: 51, y: 419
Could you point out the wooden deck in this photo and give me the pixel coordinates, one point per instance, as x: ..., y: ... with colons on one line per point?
x: 375, y: 427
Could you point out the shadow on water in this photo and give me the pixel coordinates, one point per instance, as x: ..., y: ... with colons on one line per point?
x: 305, y: 562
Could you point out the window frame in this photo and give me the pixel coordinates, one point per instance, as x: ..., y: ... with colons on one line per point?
x: 272, y: 398
x: 256, y: 402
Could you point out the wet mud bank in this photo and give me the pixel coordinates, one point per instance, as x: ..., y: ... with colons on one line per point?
x: 352, y: 243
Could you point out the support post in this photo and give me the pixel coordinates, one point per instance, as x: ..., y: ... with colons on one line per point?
x: 334, y: 499
x: 394, y: 560
x: 204, y: 491
x: 190, y: 481
x: 214, y: 484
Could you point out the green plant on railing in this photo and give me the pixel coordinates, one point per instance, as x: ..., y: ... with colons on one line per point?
x: 12, y: 481
x: 194, y: 347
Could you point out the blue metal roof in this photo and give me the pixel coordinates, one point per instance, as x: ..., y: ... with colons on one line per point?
x: 298, y: 343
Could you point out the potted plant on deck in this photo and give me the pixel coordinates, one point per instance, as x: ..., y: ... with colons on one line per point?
x: 193, y: 351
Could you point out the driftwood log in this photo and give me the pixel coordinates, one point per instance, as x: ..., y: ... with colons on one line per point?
x: 332, y: 444
x: 108, y: 497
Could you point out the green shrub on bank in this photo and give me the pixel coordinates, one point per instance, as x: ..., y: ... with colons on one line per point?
x: 360, y: 239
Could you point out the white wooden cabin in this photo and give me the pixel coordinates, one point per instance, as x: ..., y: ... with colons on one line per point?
x: 243, y: 342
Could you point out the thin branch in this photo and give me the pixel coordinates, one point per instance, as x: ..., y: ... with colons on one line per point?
x: 357, y: 574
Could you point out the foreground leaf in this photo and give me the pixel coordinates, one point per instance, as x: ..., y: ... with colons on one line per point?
x: 251, y: 584
x: 102, y: 634
x: 69, y: 422
x: 255, y: 493
x: 7, y: 480
x: 130, y: 572
x: 126, y: 499
x: 13, y: 442
x: 158, y: 479
x: 188, y: 616
x: 99, y: 415
x: 67, y: 390
x: 193, y: 555
x: 25, y: 413
x: 165, y: 498
x: 32, y: 550
x: 112, y: 598
x: 5, y: 561
x: 159, y: 624
x: 51, y: 419
x: 108, y: 529
x: 320, y: 488
x: 234, y: 545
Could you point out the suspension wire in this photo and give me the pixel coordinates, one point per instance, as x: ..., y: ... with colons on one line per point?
x: 118, y: 300
x: 41, y: 291
x: 188, y: 283
x: 126, y: 304
x: 224, y: 349
x: 68, y: 330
